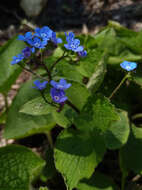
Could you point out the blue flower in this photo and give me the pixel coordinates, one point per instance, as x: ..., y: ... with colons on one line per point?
x: 72, y: 43
x: 82, y: 53
x: 38, y: 43
x: 61, y: 85
x: 28, y: 36
x: 40, y: 85
x: 128, y: 66
x: 58, y: 96
x: 45, y: 33
x: 17, y: 59
x: 27, y: 51
x: 54, y: 39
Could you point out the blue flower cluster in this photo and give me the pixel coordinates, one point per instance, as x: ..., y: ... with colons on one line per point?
x: 74, y: 44
x: 26, y: 52
x: 40, y: 85
x: 128, y: 66
x: 57, y: 91
x: 39, y: 39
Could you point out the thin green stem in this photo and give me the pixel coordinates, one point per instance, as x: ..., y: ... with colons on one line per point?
x: 49, y: 136
x: 45, y: 67
x: 30, y: 71
x: 57, y: 61
x: 46, y: 101
x: 120, y: 84
x: 72, y: 106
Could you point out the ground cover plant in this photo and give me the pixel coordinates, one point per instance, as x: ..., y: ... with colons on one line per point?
x: 85, y: 95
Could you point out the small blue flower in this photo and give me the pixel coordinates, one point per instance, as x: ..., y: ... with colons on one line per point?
x: 38, y: 43
x: 45, y: 33
x: 73, y: 44
x: 27, y: 51
x: 28, y: 36
x: 128, y: 66
x: 82, y: 53
x: 58, y: 96
x: 17, y: 59
x: 40, y: 85
x: 61, y: 85
x: 54, y: 39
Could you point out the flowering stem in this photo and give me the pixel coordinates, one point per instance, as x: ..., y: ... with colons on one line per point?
x: 47, y: 70
x: 45, y: 67
x: 72, y: 106
x: 42, y: 94
x: 30, y: 71
x: 61, y: 107
x: 120, y: 84
x: 59, y: 59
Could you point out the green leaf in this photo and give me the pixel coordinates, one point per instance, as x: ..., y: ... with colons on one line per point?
x: 98, y: 112
x: 43, y: 188
x: 77, y: 155
x: 98, y: 181
x: 137, y: 77
x: 68, y: 71
x: 117, y: 134
x: 131, y: 153
x: 77, y: 94
x: 37, y: 107
x: 20, y: 125
x: 19, y: 165
x: 87, y: 41
x: 9, y: 73
x: 88, y: 64
x: 98, y: 75
x: 125, y: 55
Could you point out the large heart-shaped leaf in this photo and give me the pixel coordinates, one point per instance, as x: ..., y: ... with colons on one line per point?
x: 38, y: 106
x: 98, y: 181
x: 98, y: 112
x: 18, y: 166
x: 131, y: 153
x: 118, y: 132
x: 20, y: 125
x: 77, y: 155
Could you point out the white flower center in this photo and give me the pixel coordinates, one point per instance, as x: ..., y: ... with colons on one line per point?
x: 128, y: 67
x: 60, y: 86
x: 37, y: 44
x: 73, y: 46
x: 43, y: 35
x: 56, y: 97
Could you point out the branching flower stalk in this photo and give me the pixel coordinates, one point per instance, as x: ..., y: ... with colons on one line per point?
x: 120, y: 84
